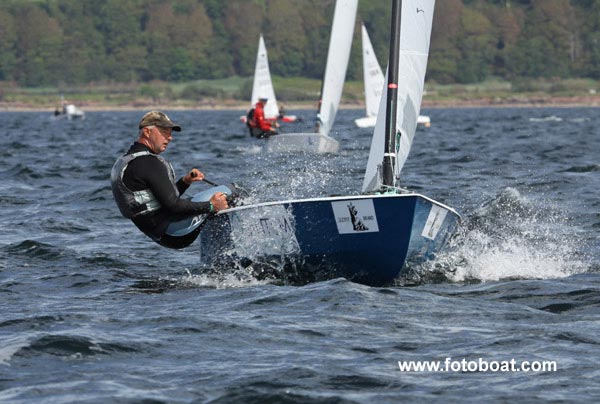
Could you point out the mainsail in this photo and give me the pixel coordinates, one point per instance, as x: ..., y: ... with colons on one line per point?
x: 337, y: 61
x: 417, y: 17
x: 263, y: 86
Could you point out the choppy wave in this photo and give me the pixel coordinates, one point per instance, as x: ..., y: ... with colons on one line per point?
x: 213, y: 279
x: 35, y: 249
x: 511, y: 237
x: 64, y: 345
x: 583, y: 169
x: 94, y: 311
x: 69, y: 345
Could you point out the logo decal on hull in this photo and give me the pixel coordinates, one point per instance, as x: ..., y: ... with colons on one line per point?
x: 356, y: 222
x: 357, y: 216
x: 434, y: 222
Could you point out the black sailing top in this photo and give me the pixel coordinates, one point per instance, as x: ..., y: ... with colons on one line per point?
x: 148, y: 172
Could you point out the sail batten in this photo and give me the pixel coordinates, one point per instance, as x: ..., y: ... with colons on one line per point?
x: 417, y: 17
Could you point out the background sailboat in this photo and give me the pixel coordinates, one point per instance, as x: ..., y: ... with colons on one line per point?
x: 333, y: 83
x: 262, y: 86
x: 374, y: 82
x: 70, y: 111
x: 367, y: 238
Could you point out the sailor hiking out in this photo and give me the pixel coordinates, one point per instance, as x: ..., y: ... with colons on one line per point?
x: 146, y: 191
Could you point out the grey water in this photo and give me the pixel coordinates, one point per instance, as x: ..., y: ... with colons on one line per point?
x: 93, y: 311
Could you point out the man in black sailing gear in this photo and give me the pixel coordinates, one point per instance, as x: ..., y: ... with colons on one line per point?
x: 144, y: 186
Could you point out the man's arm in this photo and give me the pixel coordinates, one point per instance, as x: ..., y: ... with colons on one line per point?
x: 154, y: 173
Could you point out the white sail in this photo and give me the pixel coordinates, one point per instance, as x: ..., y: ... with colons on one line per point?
x: 263, y: 86
x: 373, y: 76
x: 340, y: 43
x: 415, y: 34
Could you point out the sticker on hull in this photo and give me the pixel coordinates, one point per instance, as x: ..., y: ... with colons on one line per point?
x: 357, y: 216
x: 434, y: 222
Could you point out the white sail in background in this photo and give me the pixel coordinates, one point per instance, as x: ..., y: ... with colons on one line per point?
x: 417, y: 17
x: 373, y: 76
x: 263, y: 86
x: 340, y: 43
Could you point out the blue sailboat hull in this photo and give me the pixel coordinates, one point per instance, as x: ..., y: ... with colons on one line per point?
x: 368, y: 239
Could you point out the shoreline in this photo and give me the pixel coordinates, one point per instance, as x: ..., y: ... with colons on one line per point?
x: 541, y: 101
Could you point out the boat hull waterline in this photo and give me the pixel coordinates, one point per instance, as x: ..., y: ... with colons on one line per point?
x: 364, y: 238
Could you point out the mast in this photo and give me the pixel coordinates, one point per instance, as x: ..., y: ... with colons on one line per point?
x: 389, y: 155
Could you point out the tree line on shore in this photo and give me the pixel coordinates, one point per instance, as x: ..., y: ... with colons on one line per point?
x: 74, y: 42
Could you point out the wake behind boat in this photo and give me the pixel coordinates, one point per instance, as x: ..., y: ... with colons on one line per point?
x: 367, y: 238
x: 338, y: 55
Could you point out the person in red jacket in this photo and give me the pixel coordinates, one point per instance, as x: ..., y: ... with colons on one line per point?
x: 258, y: 125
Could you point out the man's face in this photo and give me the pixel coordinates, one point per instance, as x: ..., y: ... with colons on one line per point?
x: 159, y: 138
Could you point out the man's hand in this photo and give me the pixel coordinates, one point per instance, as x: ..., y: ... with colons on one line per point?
x: 219, y: 201
x: 192, y: 176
